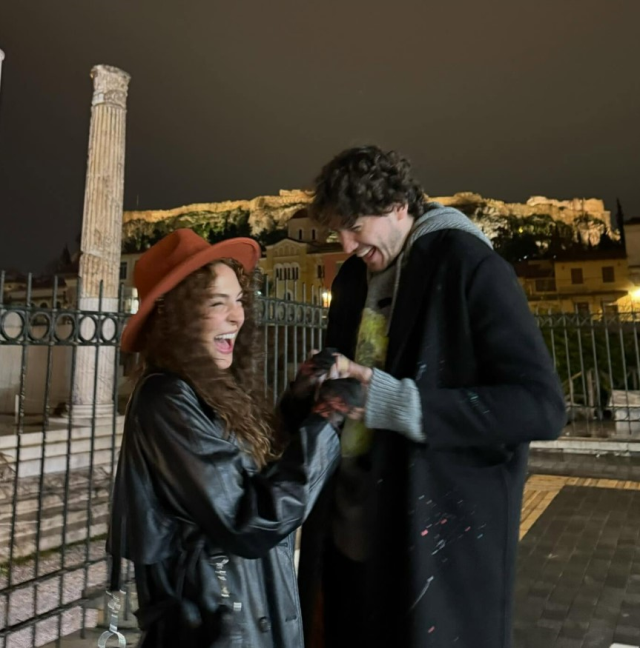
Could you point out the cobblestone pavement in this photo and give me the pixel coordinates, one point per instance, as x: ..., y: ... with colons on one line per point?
x: 578, y: 582
x: 65, y: 588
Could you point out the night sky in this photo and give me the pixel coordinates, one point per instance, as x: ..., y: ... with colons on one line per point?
x: 234, y: 99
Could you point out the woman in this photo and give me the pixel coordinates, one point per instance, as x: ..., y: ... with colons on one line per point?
x: 205, y: 504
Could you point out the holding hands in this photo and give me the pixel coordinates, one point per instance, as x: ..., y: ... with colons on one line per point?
x: 339, y: 385
x: 319, y: 366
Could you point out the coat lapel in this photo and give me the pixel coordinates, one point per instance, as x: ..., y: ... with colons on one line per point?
x: 349, y: 295
x: 408, y: 310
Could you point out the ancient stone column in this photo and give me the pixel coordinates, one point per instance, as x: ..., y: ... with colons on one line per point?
x: 101, y: 242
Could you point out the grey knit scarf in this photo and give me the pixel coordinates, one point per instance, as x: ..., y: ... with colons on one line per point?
x: 438, y: 217
x: 435, y: 218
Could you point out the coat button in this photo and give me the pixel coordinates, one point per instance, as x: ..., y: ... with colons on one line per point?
x: 264, y: 624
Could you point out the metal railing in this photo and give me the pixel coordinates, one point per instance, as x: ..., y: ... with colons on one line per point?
x: 597, y: 357
x: 57, y: 470
x: 58, y: 455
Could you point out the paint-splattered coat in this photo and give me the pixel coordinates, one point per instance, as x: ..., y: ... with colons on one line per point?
x: 445, y: 516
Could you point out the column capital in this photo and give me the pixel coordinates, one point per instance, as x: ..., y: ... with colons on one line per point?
x: 110, y: 85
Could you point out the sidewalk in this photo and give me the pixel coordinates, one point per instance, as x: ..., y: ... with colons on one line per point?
x: 578, y: 580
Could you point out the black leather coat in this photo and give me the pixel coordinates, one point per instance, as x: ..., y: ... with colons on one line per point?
x: 210, y: 536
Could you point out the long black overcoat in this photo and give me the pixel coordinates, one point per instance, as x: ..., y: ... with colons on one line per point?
x: 445, y: 514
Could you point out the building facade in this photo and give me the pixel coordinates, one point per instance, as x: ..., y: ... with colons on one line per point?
x: 593, y: 282
x: 302, y: 266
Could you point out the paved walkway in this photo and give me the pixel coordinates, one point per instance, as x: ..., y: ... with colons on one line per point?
x: 578, y: 583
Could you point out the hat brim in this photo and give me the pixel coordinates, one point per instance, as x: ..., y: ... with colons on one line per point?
x: 244, y: 250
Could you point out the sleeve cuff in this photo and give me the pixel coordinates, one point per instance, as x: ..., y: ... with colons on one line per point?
x: 394, y: 404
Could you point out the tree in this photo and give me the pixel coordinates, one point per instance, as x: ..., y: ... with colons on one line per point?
x: 619, y: 218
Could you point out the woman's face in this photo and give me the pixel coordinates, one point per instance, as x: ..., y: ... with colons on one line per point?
x: 223, y: 316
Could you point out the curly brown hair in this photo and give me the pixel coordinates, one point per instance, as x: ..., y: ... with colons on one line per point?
x: 364, y: 181
x: 172, y: 340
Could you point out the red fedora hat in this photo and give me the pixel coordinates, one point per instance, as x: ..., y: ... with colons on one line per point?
x: 164, y: 265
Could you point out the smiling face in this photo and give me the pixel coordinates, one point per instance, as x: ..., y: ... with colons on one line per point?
x: 377, y: 240
x: 223, y: 316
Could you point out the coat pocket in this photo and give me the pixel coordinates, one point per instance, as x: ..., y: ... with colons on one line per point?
x: 288, y: 590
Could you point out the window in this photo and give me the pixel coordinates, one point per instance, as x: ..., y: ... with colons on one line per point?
x: 545, y: 285
x: 123, y: 270
x: 299, y: 235
x: 608, y: 274
x: 582, y: 308
x: 313, y: 235
x: 287, y: 273
x: 320, y: 272
x: 576, y: 276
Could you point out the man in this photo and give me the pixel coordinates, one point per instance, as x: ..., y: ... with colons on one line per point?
x: 414, y: 544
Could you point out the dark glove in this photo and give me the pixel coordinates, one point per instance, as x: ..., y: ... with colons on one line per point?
x: 339, y: 399
x: 312, y: 372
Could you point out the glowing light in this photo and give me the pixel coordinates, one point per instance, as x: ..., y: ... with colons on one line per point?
x: 326, y: 298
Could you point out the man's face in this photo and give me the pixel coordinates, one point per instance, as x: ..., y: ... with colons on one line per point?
x: 377, y: 240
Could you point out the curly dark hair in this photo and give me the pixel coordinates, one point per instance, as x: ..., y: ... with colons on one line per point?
x: 364, y: 181
x: 172, y: 340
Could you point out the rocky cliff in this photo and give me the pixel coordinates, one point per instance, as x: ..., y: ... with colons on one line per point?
x: 265, y: 217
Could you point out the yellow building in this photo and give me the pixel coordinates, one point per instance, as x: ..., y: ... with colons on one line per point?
x: 302, y: 267
x: 632, y: 233
x: 592, y: 282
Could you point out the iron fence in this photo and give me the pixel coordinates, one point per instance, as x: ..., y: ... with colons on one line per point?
x: 598, y: 360
x: 63, y: 387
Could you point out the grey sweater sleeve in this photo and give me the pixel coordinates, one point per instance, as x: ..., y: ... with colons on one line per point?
x: 394, y: 404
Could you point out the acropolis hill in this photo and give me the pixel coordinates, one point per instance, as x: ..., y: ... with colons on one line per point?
x: 588, y: 218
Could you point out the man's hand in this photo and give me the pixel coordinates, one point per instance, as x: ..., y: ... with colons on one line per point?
x: 318, y: 366
x: 346, y: 368
x: 339, y: 399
